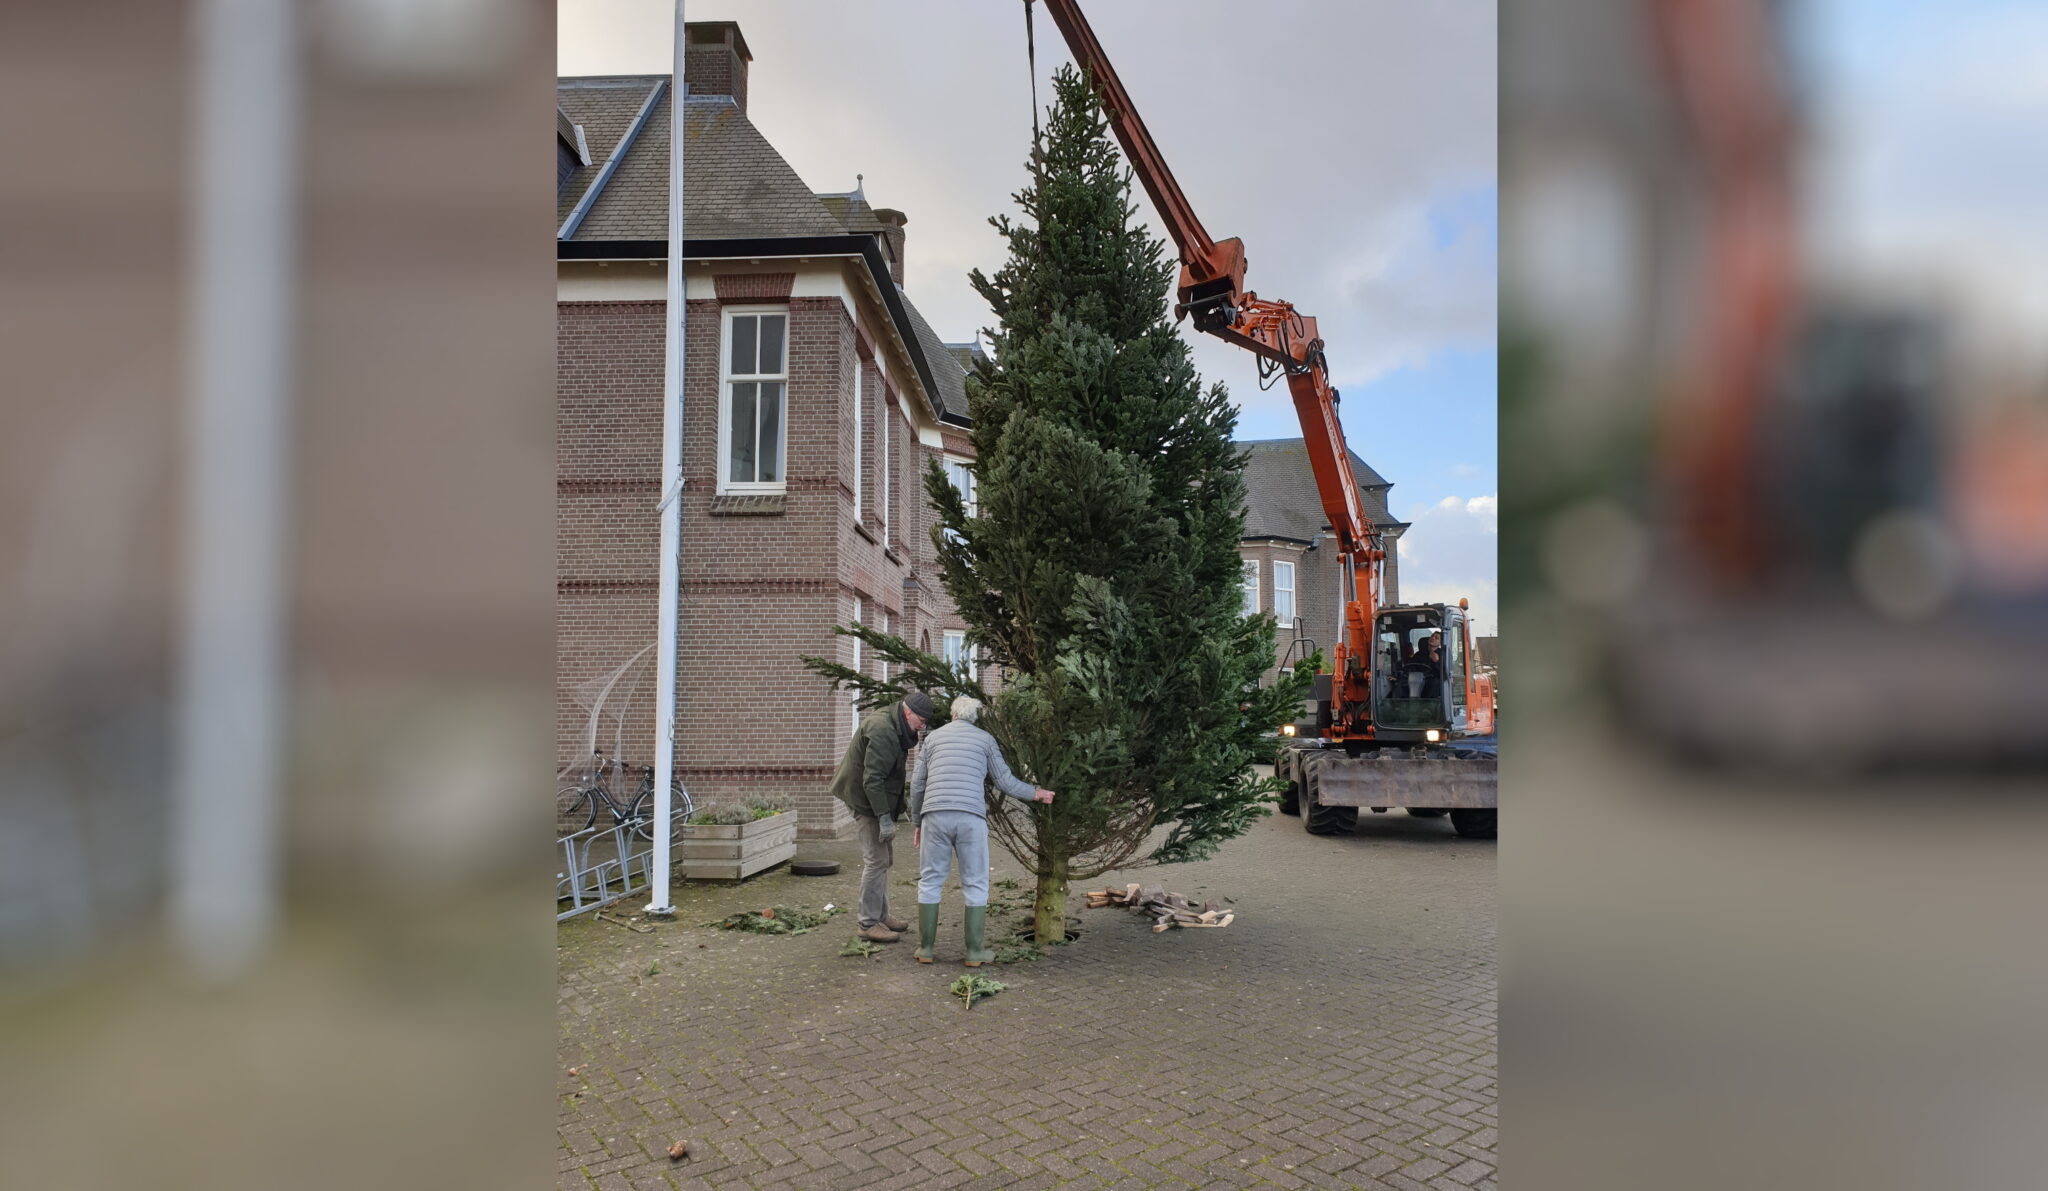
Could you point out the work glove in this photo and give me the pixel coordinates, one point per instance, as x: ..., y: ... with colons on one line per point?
x: 888, y: 829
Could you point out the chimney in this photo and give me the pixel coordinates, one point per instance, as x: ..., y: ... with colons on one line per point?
x: 715, y: 59
x: 892, y: 239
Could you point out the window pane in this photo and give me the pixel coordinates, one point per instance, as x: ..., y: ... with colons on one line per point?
x: 772, y: 329
x: 1283, y: 591
x: 963, y: 481
x: 771, y: 431
x: 744, y: 328
x: 1455, y: 659
x: 741, y: 469
x: 1251, y: 586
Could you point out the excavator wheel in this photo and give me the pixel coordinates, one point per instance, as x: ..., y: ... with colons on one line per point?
x: 1290, y: 769
x: 1324, y: 820
x: 1476, y: 822
x: 1427, y: 812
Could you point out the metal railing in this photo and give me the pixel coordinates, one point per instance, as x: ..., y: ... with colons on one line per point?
x: 590, y: 880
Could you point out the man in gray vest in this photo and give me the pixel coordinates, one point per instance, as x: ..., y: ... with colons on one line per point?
x: 948, y: 810
x: 870, y: 783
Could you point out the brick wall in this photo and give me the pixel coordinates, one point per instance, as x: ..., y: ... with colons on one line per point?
x: 764, y: 579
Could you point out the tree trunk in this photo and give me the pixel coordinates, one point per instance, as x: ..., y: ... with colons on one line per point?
x: 1049, y: 907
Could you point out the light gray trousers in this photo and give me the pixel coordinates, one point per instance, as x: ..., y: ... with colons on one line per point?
x: 876, y: 855
x: 950, y: 836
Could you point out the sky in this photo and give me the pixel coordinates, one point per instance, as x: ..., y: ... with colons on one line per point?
x: 1934, y: 188
x: 1351, y: 146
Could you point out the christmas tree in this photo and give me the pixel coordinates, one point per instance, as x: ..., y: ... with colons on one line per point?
x: 1099, y: 568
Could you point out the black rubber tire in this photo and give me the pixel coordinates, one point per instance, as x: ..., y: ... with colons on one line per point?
x: 1290, y: 799
x: 1476, y: 822
x: 1325, y: 820
x: 640, y: 816
x: 813, y: 868
x: 641, y: 813
x: 575, y: 806
x: 1427, y: 812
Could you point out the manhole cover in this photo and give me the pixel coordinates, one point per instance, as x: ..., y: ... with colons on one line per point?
x: 814, y: 868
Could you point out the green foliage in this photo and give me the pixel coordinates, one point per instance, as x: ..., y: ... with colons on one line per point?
x: 910, y: 669
x: 861, y: 947
x: 1099, y: 570
x: 975, y: 985
x: 1101, y: 563
x: 753, y: 809
x: 1016, y: 951
x: 781, y: 920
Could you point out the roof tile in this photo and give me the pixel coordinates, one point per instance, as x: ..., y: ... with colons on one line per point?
x: 1280, y: 491
x: 735, y: 185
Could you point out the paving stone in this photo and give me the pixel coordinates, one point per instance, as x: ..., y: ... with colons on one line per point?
x: 1336, y: 1042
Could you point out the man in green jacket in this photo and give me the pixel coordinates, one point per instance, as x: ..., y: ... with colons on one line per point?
x: 870, y: 782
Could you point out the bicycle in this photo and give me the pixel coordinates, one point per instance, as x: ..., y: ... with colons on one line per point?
x: 579, y: 800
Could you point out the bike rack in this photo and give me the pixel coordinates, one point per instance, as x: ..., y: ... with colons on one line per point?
x: 588, y: 885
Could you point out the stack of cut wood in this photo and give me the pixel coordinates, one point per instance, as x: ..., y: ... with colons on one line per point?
x: 1166, y: 910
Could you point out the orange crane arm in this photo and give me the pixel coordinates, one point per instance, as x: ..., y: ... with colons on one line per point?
x: 1730, y: 90
x: 1212, y: 292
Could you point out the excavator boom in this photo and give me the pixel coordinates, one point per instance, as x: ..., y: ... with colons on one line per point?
x: 1212, y: 293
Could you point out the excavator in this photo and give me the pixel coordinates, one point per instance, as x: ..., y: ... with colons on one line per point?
x: 1402, y: 716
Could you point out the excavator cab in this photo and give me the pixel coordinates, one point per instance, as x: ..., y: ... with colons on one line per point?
x: 1423, y: 683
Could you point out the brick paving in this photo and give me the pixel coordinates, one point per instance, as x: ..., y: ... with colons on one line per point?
x: 1340, y: 1033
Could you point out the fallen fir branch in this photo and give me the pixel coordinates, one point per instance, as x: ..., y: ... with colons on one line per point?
x: 778, y: 920
x: 861, y: 947
x: 1016, y: 951
x: 974, y: 985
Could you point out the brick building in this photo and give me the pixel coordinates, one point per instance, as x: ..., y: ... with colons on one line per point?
x: 1289, y: 566
x: 814, y: 396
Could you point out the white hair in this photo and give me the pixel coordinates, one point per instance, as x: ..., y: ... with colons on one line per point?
x: 967, y: 708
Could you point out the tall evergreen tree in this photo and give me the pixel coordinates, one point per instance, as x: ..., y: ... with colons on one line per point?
x: 1099, y: 568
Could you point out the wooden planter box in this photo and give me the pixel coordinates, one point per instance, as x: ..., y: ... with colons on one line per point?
x: 717, y: 852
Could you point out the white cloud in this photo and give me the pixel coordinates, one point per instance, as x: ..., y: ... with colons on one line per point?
x: 1449, y: 553
x: 1934, y: 189
x: 1416, y: 295
x: 1366, y: 114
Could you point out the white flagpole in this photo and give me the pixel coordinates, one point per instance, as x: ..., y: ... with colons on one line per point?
x: 226, y: 830
x: 671, y: 510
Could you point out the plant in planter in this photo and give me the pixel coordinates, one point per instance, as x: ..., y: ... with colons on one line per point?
x: 735, y: 840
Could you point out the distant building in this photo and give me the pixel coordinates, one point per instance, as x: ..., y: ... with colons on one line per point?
x: 1290, y: 565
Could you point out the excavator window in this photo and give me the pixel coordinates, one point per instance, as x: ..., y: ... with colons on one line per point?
x: 1408, y: 674
x: 1454, y: 658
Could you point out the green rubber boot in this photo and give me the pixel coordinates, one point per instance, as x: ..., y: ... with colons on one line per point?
x: 927, y: 931
x: 977, y: 923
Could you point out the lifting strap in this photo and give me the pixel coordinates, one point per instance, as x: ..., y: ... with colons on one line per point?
x: 1031, y: 57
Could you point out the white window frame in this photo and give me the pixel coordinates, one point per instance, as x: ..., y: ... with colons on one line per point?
x: 971, y: 491
x: 860, y: 434
x: 1286, y: 618
x: 882, y: 421
x: 725, y: 382
x: 1249, y: 582
x: 860, y: 610
x: 963, y: 653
